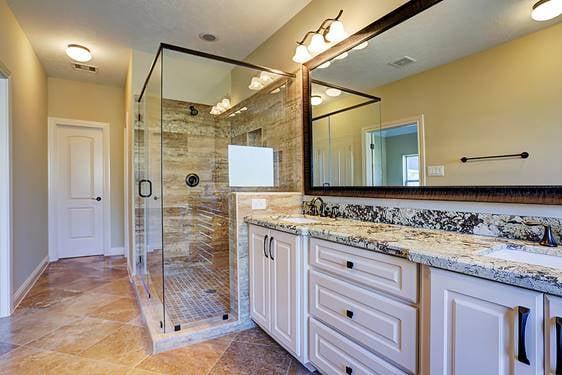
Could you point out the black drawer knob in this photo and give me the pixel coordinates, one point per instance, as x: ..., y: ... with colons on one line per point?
x: 348, y: 370
x: 349, y: 314
x: 349, y: 264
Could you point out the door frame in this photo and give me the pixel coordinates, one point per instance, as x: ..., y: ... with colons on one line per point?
x: 104, y: 126
x: 6, y: 211
x: 418, y: 120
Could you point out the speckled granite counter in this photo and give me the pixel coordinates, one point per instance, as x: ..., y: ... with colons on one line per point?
x: 463, y: 253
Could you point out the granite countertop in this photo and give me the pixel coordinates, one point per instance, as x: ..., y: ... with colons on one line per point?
x: 458, y: 252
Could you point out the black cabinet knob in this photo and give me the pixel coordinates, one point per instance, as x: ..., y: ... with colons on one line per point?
x: 348, y: 370
x: 349, y: 314
x: 349, y: 264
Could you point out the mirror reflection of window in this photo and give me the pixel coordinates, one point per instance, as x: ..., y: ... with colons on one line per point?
x: 411, y: 170
x: 250, y: 166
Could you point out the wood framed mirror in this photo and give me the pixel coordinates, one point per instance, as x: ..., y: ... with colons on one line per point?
x: 442, y: 100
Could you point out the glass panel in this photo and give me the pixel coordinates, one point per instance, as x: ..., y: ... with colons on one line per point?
x: 346, y: 151
x: 148, y: 171
x: 225, y: 128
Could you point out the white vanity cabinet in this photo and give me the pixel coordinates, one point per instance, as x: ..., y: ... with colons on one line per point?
x: 277, y: 287
x: 553, y: 334
x: 483, y: 327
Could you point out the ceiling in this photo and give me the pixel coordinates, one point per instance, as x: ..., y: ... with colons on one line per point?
x: 111, y: 28
x: 446, y: 32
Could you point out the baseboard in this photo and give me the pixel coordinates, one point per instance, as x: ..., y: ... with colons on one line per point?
x: 22, y: 291
x: 114, y: 251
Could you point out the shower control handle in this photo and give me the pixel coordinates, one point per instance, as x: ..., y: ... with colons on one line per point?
x: 270, y: 243
x: 264, y: 242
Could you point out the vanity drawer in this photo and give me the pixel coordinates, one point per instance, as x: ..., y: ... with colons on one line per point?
x: 387, y: 326
x: 386, y: 273
x: 332, y: 353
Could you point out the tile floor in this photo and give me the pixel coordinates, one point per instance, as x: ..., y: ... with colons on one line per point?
x: 81, y: 317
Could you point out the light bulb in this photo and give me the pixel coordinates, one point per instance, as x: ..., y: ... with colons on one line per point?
x: 255, y: 84
x: 266, y: 77
x: 336, y: 33
x: 243, y: 109
x: 275, y: 91
x: 333, y: 92
x: 315, y: 100
x: 545, y: 10
x: 226, y: 103
x: 317, y: 44
x: 342, y: 56
x: 78, y: 53
x: 301, y: 54
x: 361, y: 46
x: 325, y: 65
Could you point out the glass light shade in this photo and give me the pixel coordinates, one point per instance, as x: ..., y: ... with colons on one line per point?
x: 546, y: 10
x: 214, y: 110
x: 317, y: 44
x: 361, y: 46
x: 325, y: 65
x: 267, y: 77
x: 226, y: 103
x: 342, y: 56
x: 315, y: 100
x: 333, y: 92
x: 243, y: 109
x: 275, y: 91
x: 336, y: 33
x: 301, y: 54
x: 255, y: 84
x: 78, y: 53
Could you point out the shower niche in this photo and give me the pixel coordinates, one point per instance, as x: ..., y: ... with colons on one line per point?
x: 226, y: 123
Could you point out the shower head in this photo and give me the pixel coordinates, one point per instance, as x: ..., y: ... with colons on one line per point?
x: 193, y: 111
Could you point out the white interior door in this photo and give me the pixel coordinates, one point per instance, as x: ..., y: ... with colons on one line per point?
x: 79, y: 191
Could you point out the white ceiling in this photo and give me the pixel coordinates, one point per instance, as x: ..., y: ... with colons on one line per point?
x: 110, y: 28
x: 446, y: 32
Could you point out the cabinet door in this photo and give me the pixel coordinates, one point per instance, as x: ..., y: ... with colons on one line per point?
x: 477, y: 327
x: 553, y: 334
x: 285, y: 286
x: 259, y: 276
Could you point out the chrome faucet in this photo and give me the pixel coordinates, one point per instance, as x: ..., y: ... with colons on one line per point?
x: 548, y: 239
x: 315, y: 210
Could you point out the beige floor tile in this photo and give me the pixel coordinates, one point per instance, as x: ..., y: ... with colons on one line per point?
x: 85, y: 304
x: 5, y: 348
x: 81, y: 366
x: 32, y: 326
x: 121, y: 287
x: 194, y: 359
x: 252, y: 359
x: 28, y: 360
x: 121, y: 310
x: 84, y: 284
x: 47, y: 298
x: 76, y: 337
x: 127, y: 346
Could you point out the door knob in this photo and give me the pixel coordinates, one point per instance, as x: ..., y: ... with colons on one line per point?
x: 96, y: 199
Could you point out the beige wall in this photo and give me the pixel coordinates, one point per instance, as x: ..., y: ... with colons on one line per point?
x: 91, y: 102
x: 29, y: 147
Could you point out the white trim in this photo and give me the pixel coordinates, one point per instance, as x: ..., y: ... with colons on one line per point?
x: 114, y: 251
x: 126, y: 187
x: 22, y: 291
x: 6, y: 250
x: 104, y: 126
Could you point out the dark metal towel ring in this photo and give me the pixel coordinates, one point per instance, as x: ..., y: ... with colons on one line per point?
x: 523, y: 155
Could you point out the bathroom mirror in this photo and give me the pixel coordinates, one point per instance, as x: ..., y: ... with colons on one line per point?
x: 449, y: 99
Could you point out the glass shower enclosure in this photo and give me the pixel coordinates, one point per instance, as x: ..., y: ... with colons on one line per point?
x: 207, y: 126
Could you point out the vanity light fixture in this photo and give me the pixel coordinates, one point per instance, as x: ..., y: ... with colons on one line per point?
x: 325, y: 65
x: 78, y: 53
x: 259, y: 82
x: 331, y: 31
x: 256, y: 84
x: 342, y: 56
x: 545, y: 10
x: 220, y: 107
x: 333, y: 92
x: 316, y: 100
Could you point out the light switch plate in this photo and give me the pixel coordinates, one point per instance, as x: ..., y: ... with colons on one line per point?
x: 259, y: 204
x: 436, y: 170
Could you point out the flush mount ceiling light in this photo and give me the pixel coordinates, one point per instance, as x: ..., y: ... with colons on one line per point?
x: 78, y: 53
x: 361, y: 46
x: 333, y: 92
x: 545, y: 10
x: 331, y: 30
x: 315, y: 100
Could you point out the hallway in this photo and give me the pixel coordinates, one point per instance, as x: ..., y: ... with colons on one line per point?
x: 81, y: 317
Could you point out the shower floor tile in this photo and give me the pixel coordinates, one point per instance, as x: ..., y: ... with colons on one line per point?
x: 197, y: 293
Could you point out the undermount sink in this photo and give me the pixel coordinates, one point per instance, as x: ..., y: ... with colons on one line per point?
x: 300, y: 220
x: 537, y: 255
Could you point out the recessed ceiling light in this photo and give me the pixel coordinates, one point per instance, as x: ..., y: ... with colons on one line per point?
x: 208, y: 37
x: 333, y: 92
x: 545, y: 10
x: 315, y: 100
x: 78, y: 53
